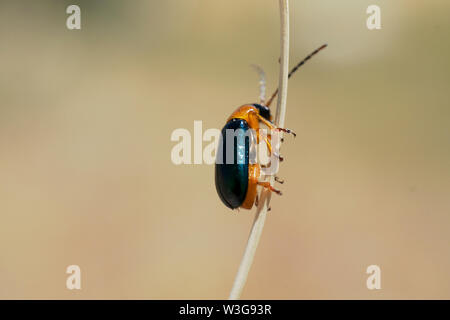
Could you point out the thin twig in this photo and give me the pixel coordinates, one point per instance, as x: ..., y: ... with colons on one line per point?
x: 261, y: 211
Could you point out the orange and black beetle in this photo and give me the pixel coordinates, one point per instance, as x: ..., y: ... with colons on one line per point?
x: 237, y: 180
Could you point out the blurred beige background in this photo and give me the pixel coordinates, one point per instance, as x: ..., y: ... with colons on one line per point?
x: 87, y: 179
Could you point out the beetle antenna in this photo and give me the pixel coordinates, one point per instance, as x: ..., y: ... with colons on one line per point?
x: 262, y: 83
x: 296, y: 68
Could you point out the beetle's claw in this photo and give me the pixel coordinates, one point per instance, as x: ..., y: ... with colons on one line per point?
x: 267, y: 185
x: 279, y: 156
x: 278, y: 192
x: 287, y: 131
x: 280, y: 181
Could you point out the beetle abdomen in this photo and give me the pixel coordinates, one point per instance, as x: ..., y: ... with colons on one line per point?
x: 232, y: 163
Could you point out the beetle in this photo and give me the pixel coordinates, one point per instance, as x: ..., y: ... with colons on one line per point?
x: 237, y: 178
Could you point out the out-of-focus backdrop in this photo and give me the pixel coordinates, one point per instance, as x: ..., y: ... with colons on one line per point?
x: 86, y: 174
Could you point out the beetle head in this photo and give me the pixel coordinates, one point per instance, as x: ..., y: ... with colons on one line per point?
x: 264, y: 111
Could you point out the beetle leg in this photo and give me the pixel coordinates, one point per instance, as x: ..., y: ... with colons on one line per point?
x: 269, y: 147
x: 279, y: 156
x: 287, y: 131
x: 267, y: 185
x: 270, y: 138
x: 280, y: 181
x: 256, y: 200
x: 271, y: 126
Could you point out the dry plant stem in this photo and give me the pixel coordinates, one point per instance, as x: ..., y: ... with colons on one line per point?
x: 264, y: 198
